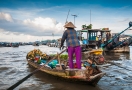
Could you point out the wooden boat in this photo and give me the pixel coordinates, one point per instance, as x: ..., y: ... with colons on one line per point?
x: 72, y: 75
x: 97, y: 55
x: 14, y: 45
x: 35, y: 44
x: 86, y: 75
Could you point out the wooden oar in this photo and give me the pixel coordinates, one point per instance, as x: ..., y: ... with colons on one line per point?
x: 25, y: 78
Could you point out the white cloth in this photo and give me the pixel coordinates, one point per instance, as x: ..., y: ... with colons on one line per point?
x: 104, y: 35
x: 98, y: 33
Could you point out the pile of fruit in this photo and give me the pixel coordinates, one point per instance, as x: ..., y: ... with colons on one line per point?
x: 36, y: 53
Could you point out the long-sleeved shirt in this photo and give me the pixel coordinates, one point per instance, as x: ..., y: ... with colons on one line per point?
x: 70, y: 35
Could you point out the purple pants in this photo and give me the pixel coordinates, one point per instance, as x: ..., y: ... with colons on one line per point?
x: 77, y: 51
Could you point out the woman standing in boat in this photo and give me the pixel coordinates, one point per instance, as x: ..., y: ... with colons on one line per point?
x: 73, y: 44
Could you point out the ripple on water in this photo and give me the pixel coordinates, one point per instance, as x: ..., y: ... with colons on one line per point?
x: 35, y: 86
x: 1, y: 59
x: 3, y: 86
x: 17, y: 60
x: 13, y: 67
x: 4, y: 68
x: 11, y: 71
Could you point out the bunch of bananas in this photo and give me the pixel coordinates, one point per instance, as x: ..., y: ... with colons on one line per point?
x: 36, y: 52
x: 44, y: 56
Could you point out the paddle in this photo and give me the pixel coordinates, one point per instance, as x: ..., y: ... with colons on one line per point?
x: 25, y: 78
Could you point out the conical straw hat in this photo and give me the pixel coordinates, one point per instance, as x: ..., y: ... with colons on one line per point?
x: 69, y: 25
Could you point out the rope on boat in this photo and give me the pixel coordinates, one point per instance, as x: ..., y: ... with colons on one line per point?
x: 119, y: 66
x: 112, y: 63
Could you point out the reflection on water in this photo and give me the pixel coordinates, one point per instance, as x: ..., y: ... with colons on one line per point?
x: 13, y: 67
x: 122, y: 57
x: 130, y: 52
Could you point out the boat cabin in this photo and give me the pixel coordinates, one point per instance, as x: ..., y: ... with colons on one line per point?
x: 90, y: 37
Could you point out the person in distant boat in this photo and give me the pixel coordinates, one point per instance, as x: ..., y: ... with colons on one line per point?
x: 103, y: 37
x: 116, y: 40
x: 99, y: 41
x: 108, y: 36
x: 73, y: 44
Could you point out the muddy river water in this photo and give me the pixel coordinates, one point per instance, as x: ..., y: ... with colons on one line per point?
x: 13, y: 67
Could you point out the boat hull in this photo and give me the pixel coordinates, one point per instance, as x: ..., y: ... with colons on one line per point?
x: 67, y: 75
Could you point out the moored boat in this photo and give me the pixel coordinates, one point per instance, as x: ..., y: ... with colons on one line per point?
x: 87, y: 75
x: 97, y: 56
x: 14, y: 45
x: 35, y: 44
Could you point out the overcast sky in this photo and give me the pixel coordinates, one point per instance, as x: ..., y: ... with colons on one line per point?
x: 31, y: 20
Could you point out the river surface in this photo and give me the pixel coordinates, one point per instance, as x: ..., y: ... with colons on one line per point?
x: 14, y: 67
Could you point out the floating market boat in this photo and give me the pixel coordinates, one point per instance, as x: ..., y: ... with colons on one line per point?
x: 59, y: 68
x: 14, y: 45
x: 105, y: 39
x: 97, y: 55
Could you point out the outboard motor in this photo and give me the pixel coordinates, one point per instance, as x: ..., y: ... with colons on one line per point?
x: 130, y: 24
